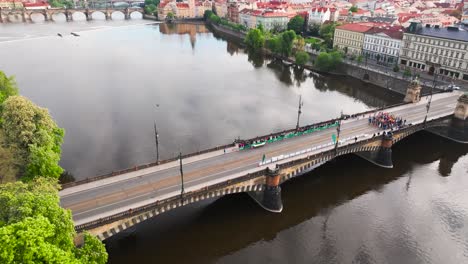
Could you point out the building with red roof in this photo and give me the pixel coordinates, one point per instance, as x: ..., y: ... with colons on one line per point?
x: 350, y: 37
x: 382, y: 44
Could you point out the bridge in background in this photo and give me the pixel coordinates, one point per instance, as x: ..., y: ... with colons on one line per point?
x: 6, y: 15
x: 109, y: 204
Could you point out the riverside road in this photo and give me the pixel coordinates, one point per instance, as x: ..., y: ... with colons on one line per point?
x: 106, y: 197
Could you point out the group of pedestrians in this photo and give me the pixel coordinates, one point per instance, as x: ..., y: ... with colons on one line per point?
x: 386, y: 121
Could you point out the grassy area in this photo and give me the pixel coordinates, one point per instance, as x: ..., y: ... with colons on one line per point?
x: 313, y: 40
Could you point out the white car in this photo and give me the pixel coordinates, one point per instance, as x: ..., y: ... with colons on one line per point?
x: 453, y: 87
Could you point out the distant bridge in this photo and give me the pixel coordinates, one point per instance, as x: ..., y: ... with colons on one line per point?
x: 109, y: 204
x: 6, y: 15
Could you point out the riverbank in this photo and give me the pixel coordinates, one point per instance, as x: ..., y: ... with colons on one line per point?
x: 387, y: 80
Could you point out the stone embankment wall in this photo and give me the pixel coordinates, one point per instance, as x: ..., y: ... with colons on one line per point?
x: 232, y: 33
x: 391, y: 83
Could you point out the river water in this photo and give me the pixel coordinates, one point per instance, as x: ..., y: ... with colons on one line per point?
x: 108, y: 86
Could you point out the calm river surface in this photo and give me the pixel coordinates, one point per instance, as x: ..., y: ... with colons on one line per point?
x: 104, y: 87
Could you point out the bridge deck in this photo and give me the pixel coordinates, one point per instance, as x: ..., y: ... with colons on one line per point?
x: 106, y: 197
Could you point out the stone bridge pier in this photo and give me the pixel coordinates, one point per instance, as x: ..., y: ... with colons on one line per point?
x: 270, y: 197
x: 382, y: 155
x: 457, y: 127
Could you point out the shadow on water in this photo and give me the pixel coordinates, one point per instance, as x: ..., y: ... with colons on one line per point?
x: 205, y: 232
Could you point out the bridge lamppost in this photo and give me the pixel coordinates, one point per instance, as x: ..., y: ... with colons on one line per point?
x: 338, y: 130
x: 299, y: 111
x: 181, y: 178
x: 156, y: 139
x: 428, y: 106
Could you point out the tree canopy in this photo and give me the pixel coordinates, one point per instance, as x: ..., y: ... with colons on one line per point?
x: 328, y: 61
x: 296, y: 24
x: 34, y: 135
x: 327, y: 32
x: 255, y: 40
x: 353, y: 9
x: 35, y: 229
x: 7, y: 88
x: 302, y: 57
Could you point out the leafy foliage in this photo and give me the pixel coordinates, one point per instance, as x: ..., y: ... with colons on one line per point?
x: 7, y: 87
x: 314, y: 29
x: 328, y: 61
x: 213, y: 18
x: 299, y: 44
x: 170, y: 16
x: 61, y: 3
x: 255, y: 40
x: 327, y: 32
x: 287, y: 39
x: 35, y: 229
x: 302, y: 57
x: 151, y: 7
x: 353, y: 9
x: 296, y: 24
x: 8, y: 163
x: 34, y: 135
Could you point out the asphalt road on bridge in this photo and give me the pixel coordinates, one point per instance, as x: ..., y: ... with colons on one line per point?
x: 98, y: 199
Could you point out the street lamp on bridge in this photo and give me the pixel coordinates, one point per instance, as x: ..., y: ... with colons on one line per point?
x: 181, y: 178
x: 299, y: 111
x: 338, y: 130
x: 156, y: 138
x: 435, y: 66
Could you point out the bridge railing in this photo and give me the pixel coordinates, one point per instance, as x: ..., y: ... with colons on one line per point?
x: 217, y: 186
x: 152, y: 164
x: 161, y: 203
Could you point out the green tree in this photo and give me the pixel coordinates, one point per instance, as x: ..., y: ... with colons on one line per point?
x: 8, y: 163
x: 35, y: 229
x: 407, y: 73
x: 327, y: 31
x: 207, y: 14
x: 34, y: 135
x: 61, y: 3
x: 396, y: 68
x: 314, y: 29
x: 287, y: 40
x: 328, y: 61
x: 170, y: 16
x: 296, y: 24
x: 353, y: 9
x: 150, y: 9
x: 7, y: 87
x: 302, y: 57
x: 299, y: 43
x: 274, y: 44
x: 255, y: 40
x: 359, y: 59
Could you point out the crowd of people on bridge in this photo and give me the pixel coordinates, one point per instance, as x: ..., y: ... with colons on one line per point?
x: 386, y: 121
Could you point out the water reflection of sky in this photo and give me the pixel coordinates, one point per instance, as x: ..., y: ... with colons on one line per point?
x: 102, y: 87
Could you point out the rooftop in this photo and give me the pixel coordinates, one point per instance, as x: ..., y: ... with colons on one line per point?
x: 445, y: 33
x: 355, y: 27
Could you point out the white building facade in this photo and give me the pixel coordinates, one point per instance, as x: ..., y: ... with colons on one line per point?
x: 443, y: 51
x: 382, y: 47
x: 319, y: 15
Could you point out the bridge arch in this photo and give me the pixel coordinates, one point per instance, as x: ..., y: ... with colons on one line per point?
x: 58, y: 16
x: 97, y: 15
x: 135, y: 14
x: 38, y: 16
x: 15, y: 16
x: 78, y: 15
x: 117, y: 14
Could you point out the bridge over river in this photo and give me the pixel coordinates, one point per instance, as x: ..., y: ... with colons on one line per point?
x: 109, y: 204
x: 6, y: 15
